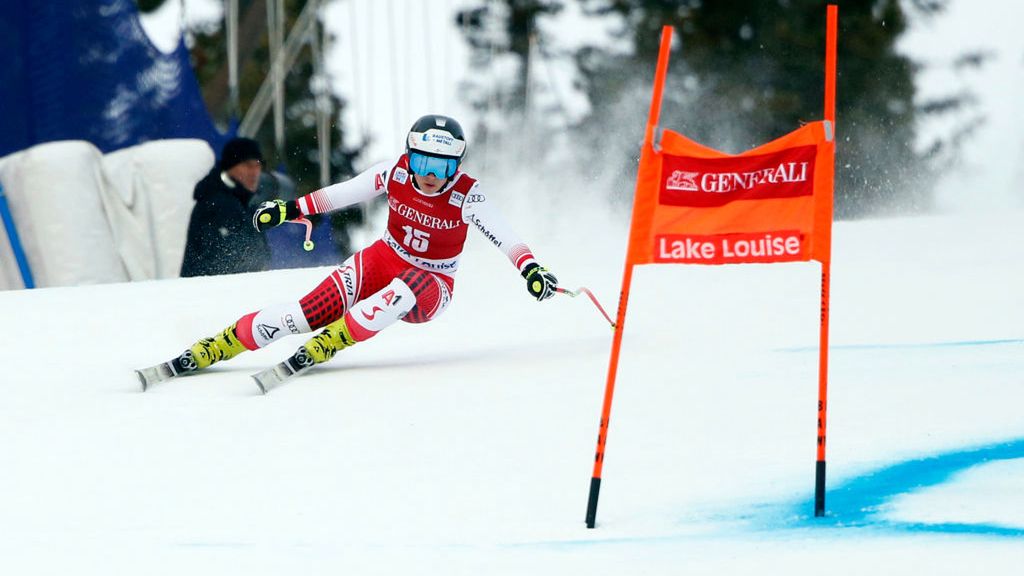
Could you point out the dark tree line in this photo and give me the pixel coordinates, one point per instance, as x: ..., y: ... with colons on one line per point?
x: 742, y: 73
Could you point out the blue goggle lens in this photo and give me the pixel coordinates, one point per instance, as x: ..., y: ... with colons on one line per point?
x: 441, y: 167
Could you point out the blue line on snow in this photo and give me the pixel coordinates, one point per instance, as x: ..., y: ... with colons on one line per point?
x: 854, y: 503
x: 857, y: 501
x: 905, y: 346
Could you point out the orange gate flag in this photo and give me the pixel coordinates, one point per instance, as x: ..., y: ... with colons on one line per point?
x: 696, y: 205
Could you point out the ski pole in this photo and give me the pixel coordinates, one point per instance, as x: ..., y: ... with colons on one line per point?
x: 308, y: 244
x: 584, y: 290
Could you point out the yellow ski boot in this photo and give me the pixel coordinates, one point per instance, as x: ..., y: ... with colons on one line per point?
x: 326, y: 344
x: 203, y: 353
x: 207, y: 351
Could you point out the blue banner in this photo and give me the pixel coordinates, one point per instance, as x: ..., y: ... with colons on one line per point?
x: 85, y: 70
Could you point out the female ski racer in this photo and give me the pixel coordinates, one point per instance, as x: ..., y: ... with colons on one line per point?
x: 408, y: 274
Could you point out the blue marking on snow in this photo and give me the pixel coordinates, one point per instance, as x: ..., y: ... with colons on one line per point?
x: 912, y: 345
x: 859, y: 501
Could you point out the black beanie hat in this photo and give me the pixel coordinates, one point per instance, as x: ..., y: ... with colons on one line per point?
x: 238, y: 150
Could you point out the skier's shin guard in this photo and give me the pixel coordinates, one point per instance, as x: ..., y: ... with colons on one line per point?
x: 207, y: 351
x: 322, y: 347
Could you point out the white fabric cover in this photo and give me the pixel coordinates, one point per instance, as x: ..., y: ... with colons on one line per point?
x: 149, y: 201
x: 53, y: 191
x: 10, y: 278
x: 85, y: 218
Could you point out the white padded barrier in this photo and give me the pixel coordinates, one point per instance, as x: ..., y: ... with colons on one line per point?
x: 85, y: 218
x: 10, y: 278
x: 149, y: 201
x: 53, y: 191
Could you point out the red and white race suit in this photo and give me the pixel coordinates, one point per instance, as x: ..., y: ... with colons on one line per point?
x: 407, y: 274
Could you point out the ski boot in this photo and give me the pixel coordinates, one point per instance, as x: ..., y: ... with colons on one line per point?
x: 202, y: 354
x: 317, y: 350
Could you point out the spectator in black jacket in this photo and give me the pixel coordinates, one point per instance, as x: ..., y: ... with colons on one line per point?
x: 221, y: 237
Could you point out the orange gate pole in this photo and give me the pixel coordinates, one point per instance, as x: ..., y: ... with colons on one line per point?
x: 627, y: 277
x: 830, y: 116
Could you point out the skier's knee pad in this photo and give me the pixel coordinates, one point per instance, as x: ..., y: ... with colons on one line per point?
x: 382, y: 309
x: 432, y: 295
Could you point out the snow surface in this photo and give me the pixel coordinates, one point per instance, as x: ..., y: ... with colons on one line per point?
x: 465, y: 446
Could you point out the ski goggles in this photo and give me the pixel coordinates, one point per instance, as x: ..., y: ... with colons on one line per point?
x: 422, y: 165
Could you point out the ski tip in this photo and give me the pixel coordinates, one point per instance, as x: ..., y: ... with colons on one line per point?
x: 155, y: 374
x: 266, y: 380
x: 275, y: 375
x: 263, y: 390
x: 142, y: 380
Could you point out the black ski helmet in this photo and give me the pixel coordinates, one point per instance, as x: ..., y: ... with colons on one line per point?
x: 437, y: 136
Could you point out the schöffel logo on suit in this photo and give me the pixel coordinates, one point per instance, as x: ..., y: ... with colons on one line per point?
x: 699, y: 182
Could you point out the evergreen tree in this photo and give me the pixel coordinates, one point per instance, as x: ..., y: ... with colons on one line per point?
x: 747, y: 71
x: 499, y: 33
x: 506, y: 28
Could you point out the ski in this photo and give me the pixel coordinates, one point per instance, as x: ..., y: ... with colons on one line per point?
x: 265, y: 380
x: 162, y: 372
x: 277, y: 374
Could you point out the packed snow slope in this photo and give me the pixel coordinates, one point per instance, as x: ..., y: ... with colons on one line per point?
x: 465, y: 446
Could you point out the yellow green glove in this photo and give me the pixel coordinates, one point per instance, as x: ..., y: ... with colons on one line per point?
x: 273, y: 212
x: 540, y: 283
